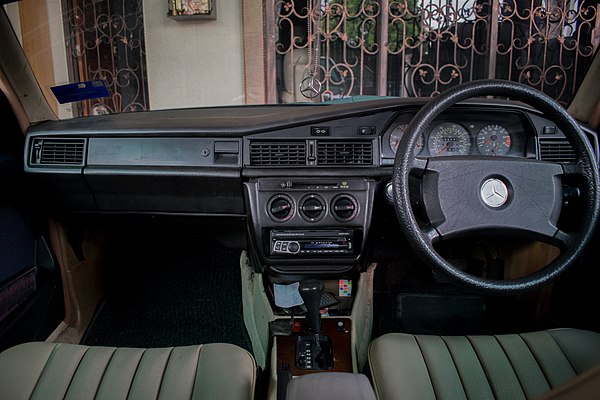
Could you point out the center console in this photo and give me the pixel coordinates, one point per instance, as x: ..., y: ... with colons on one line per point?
x: 311, y: 345
x: 304, y: 226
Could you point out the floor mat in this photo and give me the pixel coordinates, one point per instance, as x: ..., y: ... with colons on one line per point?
x: 412, y: 301
x: 438, y: 314
x: 177, y: 292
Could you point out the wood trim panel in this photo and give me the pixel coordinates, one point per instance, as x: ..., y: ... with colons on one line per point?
x: 342, y: 354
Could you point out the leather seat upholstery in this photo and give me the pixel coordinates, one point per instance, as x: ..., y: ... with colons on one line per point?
x: 65, y: 371
x: 480, y: 367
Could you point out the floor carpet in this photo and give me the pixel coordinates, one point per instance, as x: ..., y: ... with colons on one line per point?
x: 173, y: 292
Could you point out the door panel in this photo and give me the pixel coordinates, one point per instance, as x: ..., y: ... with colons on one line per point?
x: 31, y: 301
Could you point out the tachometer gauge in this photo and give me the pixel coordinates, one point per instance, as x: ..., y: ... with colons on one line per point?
x: 449, y: 139
x: 396, y: 135
x: 493, y: 140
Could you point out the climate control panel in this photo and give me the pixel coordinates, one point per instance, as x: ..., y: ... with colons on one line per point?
x: 302, y: 203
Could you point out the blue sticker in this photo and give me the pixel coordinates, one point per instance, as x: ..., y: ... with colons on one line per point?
x: 80, y: 91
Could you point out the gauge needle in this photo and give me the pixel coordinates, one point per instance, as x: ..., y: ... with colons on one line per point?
x: 444, y: 149
x: 487, y: 141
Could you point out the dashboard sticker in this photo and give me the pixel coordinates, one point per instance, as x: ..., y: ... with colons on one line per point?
x: 345, y: 288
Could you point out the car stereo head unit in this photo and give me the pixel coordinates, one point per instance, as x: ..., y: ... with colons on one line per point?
x: 312, y: 242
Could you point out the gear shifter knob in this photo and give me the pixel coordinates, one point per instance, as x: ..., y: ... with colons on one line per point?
x: 311, y: 292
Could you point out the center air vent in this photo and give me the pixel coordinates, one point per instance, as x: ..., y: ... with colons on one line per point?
x: 557, y: 150
x: 278, y: 153
x: 331, y: 152
x: 57, y: 151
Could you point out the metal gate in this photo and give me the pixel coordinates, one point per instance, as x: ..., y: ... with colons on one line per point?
x: 105, y: 40
x: 421, y: 47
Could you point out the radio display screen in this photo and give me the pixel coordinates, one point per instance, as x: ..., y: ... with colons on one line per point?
x: 324, y: 245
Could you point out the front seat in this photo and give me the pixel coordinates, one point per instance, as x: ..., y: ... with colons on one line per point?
x: 480, y: 367
x: 66, y: 371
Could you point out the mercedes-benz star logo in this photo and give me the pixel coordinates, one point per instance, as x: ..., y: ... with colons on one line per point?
x: 494, y: 192
x: 310, y: 87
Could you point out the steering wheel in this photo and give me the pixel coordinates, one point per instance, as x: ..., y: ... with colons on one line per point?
x: 474, y: 195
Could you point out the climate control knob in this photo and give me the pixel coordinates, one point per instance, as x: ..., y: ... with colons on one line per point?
x: 312, y: 207
x: 281, y: 208
x: 344, y: 207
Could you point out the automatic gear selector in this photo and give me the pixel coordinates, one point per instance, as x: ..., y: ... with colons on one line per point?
x: 313, y: 351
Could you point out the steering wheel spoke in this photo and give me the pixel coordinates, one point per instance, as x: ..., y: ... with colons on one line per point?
x: 572, y: 169
x: 431, y: 233
x: 419, y: 166
x: 563, y: 239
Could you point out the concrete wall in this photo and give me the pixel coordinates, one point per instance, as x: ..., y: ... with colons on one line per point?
x: 194, y: 63
x: 189, y: 63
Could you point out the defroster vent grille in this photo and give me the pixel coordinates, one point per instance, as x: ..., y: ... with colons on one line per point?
x: 557, y: 150
x: 344, y: 152
x: 57, y: 151
x: 278, y: 153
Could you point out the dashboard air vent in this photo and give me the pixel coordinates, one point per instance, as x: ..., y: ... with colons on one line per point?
x: 557, y: 150
x: 331, y: 152
x: 57, y: 151
x: 278, y: 153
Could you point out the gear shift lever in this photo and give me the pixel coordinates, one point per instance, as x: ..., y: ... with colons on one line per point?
x: 311, y: 292
x: 315, y: 351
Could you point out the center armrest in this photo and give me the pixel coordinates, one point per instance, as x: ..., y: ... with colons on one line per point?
x: 330, y: 385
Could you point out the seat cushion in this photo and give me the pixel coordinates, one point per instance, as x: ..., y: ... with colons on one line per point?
x: 480, y: 367
x: 65, y: 371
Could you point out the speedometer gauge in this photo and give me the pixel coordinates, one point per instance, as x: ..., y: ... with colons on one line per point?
x: 449, y: 139
x: 396, y: 136
x: 493, y: 140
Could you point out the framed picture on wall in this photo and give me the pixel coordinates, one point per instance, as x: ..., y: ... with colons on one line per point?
x: 192, y: 9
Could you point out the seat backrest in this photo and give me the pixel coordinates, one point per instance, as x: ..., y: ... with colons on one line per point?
x: 65, y: 371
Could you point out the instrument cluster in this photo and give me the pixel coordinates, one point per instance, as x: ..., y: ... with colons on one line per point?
x: 463, y: 133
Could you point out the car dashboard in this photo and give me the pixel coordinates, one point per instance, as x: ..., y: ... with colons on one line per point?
x: 306, y: 178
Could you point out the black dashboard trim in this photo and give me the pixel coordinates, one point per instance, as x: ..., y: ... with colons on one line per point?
x: 371, y: 172
x: 71, y: 189
x: 232, y: 121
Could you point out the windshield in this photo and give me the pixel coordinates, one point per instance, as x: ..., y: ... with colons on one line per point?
x: 194, y: 53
